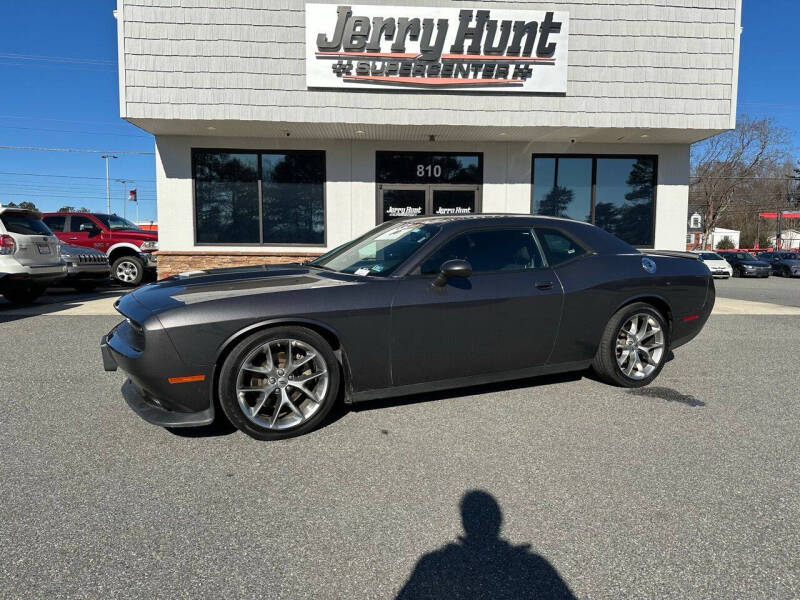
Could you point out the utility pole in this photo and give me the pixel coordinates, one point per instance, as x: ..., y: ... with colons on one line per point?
x: 108, y: 189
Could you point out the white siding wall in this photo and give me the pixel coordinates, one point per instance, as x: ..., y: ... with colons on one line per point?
x: 350, y: 190
x: 632, y: 63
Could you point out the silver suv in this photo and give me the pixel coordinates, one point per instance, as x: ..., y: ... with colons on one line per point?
x: 29, y: 256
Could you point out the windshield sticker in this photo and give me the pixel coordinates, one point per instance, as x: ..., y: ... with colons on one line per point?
x: 362, y: 271
x: 377, y: 268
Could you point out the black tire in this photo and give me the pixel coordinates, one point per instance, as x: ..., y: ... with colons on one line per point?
x: 128, y: 270
x: 23, y: 295
x: 85, y: 286
x: 605, y: 360
x: 229, y: 374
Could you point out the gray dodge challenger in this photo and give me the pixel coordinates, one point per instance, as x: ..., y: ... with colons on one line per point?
x: 412, y: 306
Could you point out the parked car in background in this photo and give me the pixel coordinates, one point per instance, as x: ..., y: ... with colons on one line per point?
x: 130, y: 250
x: 718, y: 266
x: 29, y: 256
x: 785, y: 264
x: 745, y: 264
x: 86, y: 267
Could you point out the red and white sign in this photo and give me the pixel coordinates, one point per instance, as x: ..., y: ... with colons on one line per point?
x: 422, y: 48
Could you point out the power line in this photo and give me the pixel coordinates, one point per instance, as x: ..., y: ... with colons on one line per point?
x: 74, y: 131
x: 61, y: 176
x: 118, y: 122
x: 84, y: 150
x: 5, y: 63
x: 65, y: 196
x: 70, y: 59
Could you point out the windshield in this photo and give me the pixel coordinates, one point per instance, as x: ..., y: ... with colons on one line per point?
x: 710, y: 256
x: 24, y: 224
x: 380, y: 252
x: 115, y: 223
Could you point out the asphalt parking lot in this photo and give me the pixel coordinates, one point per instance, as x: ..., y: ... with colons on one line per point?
x: 685, y: 489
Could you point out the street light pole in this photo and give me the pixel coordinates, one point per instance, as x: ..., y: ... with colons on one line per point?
x: 108, y: 189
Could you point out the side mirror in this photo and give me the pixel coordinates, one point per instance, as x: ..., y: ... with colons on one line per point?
x: 452, y: 268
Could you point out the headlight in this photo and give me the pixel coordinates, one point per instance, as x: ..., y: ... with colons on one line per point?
x: 149, y: 246
x: 749, y: 267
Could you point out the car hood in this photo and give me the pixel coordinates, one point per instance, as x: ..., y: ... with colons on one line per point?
x: 142, y: 236
x: 790, y: 262
x: 195, y: 287
x: 754, y: 263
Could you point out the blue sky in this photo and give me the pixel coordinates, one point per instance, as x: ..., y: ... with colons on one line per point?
x: 60, y: 90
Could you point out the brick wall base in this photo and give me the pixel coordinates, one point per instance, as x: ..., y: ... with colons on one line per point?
x: 170, y: 263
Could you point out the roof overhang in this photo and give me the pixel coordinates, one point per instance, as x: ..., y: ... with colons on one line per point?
x: 443, y: 133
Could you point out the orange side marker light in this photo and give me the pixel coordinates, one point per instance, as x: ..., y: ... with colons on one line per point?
x: 187, y: 379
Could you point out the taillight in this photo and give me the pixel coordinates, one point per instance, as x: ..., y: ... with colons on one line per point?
x: 7, y: 244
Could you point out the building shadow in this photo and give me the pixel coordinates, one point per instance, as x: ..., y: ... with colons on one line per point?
x: 480, y: 564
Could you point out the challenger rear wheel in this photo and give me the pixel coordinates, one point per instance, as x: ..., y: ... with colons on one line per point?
x: 633, y: 348
x: 279, y: 383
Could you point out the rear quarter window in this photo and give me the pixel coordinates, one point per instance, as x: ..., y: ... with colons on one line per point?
x: 558, y: 248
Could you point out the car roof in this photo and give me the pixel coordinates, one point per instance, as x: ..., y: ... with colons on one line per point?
x: 18, y: 210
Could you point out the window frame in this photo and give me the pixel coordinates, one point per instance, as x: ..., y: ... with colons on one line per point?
x: 259, y: 182
x: 415, y: 270
x: 595, y: 157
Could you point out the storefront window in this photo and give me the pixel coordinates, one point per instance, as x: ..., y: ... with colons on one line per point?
x: 287, y: 208
x: 293, y: 198
x: 226, y: 198
x: 615, y: 193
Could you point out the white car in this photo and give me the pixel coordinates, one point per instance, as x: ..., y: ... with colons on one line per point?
x: 718, y: 266
x: 30, y: 259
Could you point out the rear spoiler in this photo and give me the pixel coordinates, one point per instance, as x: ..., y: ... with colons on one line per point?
x: 675, y: 253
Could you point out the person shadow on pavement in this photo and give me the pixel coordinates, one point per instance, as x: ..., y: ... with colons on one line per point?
x: 482, y: 565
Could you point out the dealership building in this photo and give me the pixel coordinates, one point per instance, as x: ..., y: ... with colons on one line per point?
x: 285, y: 128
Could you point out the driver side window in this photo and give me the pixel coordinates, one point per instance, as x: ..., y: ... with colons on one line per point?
x: 76, y: 222
x: 487, y: 251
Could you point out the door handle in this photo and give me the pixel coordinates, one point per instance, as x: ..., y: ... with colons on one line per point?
x: 74, y: 238
x: 544, y: 285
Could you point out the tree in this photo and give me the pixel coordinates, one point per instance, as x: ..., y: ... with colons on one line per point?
x: 555, y: 203
x: 28, y: 206
x: 725, y: 165
x: 725, y: 243
x: 67, y: 209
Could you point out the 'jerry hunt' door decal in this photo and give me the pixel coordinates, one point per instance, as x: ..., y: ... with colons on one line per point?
x: 436, y: 48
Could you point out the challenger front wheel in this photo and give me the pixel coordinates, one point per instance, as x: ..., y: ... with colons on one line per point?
x: 279, y: 383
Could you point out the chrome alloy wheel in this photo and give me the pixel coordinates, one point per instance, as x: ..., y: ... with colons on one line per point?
x: 127, y: 271
x: 640, y: 346
x: 281, y: 384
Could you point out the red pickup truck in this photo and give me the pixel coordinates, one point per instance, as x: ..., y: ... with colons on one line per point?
x: 130, y: 250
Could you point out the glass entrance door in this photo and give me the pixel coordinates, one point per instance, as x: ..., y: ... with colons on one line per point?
x: 453, y: 200
x: 400, y: 201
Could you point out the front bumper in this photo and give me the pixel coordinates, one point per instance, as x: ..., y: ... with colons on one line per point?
x: 88, y: 272
x: 759, y: 272
x: 150, y: 260
x: 149, y: 391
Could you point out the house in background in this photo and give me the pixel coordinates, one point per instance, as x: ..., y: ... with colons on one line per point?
x: 790, y: 239
x: 694, y: 234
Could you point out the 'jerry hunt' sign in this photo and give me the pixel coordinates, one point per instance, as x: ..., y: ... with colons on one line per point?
x: 436, y: 48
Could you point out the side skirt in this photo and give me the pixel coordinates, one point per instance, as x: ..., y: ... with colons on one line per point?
x: 458, y: 382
